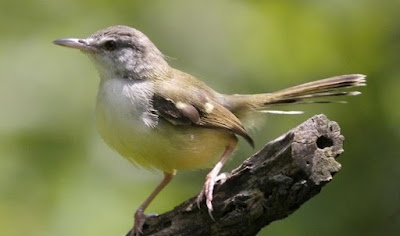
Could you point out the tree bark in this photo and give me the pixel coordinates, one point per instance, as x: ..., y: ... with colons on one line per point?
x: 268, y: 186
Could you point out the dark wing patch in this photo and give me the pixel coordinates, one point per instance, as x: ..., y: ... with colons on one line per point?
x: 181, y: 113
x: 185, y: 114
x: 189, y: 111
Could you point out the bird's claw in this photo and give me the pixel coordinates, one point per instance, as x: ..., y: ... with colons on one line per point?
x: 140, y: 219
x: 207, y: 192
x: 200, y: 198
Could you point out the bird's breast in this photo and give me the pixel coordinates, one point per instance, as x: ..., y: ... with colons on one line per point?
x: 123, y: 113
x: 126, y: 103
x: 128, y: 124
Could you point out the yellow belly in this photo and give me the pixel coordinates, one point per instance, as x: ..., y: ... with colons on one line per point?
x: 167, y: 147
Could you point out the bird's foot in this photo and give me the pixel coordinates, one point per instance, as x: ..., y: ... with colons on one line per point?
x: 140, y: 219
x: 208, y: 190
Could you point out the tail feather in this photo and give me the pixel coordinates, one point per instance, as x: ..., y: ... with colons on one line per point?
x: 282, y: 112
x: 316, y: 89
x: 311, y: 92
x: 302, y: 99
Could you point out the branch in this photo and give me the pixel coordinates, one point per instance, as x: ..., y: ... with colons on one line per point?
x: 268, y: 186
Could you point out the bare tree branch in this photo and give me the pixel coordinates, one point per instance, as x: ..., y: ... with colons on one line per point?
x: 268, y: 186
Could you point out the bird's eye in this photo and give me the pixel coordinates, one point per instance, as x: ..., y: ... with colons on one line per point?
x: 110, y: 45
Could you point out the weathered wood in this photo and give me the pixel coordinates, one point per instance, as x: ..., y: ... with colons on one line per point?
x: 268, y: 186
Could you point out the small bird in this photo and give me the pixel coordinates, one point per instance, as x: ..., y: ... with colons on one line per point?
x: 162, y: 118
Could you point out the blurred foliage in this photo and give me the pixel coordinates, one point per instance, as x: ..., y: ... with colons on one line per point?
x: 57, y: 177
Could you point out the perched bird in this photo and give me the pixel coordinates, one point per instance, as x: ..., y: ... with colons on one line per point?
x: 160, y: 117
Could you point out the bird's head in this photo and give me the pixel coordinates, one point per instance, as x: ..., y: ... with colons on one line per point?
x: 120, y: 51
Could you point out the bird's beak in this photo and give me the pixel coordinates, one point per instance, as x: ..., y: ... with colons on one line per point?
x: 81, y: 44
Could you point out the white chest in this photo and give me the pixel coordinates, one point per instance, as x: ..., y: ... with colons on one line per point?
x: 124, y: 110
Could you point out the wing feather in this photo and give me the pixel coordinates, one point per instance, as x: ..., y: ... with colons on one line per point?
x: 199, y: 112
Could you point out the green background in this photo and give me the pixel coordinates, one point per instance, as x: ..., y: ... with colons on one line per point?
x: 57, y: 177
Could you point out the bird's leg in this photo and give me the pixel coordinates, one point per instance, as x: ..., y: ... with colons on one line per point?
x: 211, y: 178
x: 140, y: 217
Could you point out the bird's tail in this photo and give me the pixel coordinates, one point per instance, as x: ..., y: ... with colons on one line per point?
x: 312, y: 92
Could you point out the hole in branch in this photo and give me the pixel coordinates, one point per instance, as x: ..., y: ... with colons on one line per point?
x: 323, y: 142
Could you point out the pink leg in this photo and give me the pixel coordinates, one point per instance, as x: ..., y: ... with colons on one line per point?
x: 211, y: 178
x: 140, y: 217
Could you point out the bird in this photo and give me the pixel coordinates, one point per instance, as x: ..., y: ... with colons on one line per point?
x: 159, y: 117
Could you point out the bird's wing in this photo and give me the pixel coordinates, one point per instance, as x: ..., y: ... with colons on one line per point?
x: 198, y: 111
